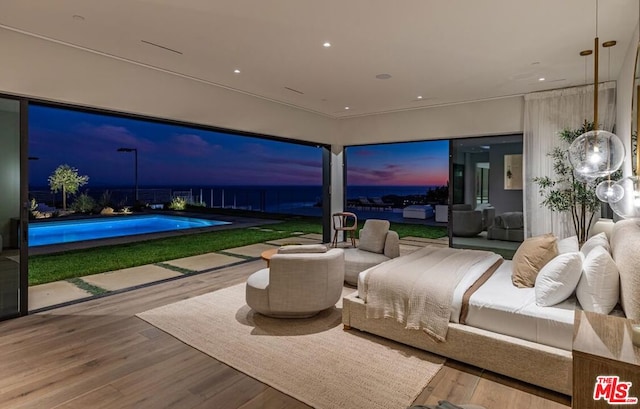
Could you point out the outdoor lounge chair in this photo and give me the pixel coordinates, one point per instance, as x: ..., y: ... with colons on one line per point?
x: 363, y: 203
x: 378, y: 202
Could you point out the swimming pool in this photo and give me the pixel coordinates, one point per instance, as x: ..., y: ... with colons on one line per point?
x: 68, y: 231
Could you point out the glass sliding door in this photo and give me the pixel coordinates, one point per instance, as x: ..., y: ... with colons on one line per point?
x: 13, y: 300
x: 486, y: 209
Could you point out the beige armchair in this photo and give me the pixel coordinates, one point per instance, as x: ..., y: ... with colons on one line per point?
x: 377, y: 244
x: 300, y: 282
x: 466, y: 222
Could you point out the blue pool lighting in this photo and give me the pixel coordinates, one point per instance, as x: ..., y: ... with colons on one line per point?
x: 68, y: 231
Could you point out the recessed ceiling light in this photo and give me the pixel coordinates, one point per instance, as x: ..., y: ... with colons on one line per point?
x: 347, y: 108
x: 326, y: 44
x: 383, y: 76
x: 237, y: 71
x: 419, y: 96
x: 541, y: 79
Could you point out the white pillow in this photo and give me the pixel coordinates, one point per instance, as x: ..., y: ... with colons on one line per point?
x: 599, y: 287
x: 558, y: 279
x: 568, y: 245
x: 599, y: 239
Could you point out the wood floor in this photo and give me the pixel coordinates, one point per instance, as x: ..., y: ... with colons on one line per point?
x: 97, y: 354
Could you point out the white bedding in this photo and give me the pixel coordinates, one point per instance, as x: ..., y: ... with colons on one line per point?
x: 501, y: 307
x: 414, y: 291
x: 456, y: 302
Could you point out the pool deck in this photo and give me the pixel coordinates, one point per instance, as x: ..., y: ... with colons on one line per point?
x: 45, y: 296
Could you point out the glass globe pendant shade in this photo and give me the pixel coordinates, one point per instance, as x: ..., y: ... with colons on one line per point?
x: 596, y: 153
x: 628, y: 207
x: 583, y: 177
x: 609, y: 191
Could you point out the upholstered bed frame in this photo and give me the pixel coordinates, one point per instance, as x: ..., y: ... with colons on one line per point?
x: 530, y: 362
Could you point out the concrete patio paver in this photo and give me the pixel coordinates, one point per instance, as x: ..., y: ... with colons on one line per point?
x: 57, y: 292
x: 130, y: 277
x: 315, y: 236
x: 54, y: 293
x: 204, y: 261
x: 294, y: 240
x: 252, y: 250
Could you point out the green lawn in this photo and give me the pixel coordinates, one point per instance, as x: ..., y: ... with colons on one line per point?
x: 78, y: 263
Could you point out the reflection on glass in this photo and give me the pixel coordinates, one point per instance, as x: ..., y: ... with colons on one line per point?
x: 9, y: 211
x: 486, y: 212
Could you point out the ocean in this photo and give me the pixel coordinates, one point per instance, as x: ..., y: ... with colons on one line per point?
x: 273, y: 199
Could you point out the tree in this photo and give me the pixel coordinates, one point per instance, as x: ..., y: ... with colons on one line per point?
x: 66, y: 178
x: 567, y: 193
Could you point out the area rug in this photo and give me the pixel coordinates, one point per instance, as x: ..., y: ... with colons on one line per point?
x: 313, y: 360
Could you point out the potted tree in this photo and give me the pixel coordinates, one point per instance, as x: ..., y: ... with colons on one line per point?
x: 565, y: 192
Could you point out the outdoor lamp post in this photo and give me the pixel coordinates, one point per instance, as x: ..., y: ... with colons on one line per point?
x: 135, y: 151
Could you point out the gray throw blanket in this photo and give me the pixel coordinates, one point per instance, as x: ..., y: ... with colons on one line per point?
x: 417, y: 289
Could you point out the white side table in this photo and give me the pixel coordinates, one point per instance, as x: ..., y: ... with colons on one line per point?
x: 442, y: 213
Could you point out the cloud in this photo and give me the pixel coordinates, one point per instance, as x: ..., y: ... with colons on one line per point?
x: 191, y: 145
x: 118, y: 135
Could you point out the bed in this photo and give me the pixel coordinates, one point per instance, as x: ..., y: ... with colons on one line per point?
x: 503, y: 329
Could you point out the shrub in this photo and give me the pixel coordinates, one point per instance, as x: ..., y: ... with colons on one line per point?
x: 105, y: 199
x: 178, y: 203
x: 84, y: 204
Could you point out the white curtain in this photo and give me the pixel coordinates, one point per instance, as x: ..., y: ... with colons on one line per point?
x: 545, y: 114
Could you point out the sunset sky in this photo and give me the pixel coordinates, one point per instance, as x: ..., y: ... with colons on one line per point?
x: 176, y: 155
x: 399, y: 164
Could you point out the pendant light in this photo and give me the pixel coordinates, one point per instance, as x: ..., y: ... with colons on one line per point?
x: 596, y: 153
x: 608, y: 190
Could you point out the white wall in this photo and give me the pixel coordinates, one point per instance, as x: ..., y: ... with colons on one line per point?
x: 337, y: 181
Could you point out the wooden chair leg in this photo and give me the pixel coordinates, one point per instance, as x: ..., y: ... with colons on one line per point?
x: 334, y: 242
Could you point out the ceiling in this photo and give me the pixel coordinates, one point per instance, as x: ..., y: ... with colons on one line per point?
x: 446, y: 51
